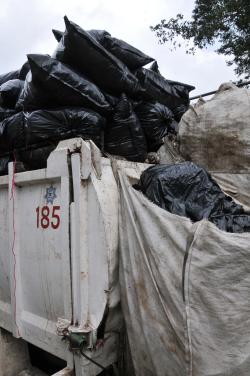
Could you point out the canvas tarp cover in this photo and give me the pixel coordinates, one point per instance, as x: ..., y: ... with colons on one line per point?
x: 182, y: 321
x: 215, y: 134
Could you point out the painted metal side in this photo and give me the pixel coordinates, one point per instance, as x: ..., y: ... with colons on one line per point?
x: 5, y: 289
x: 35, y: 275
x: 59, y: 254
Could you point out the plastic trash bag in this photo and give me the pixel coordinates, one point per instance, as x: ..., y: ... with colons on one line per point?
x: 16, y: 74
x: 9, y: 76
x: 36, y: 158
x: 128, y: 54
x: 4, y: 165
x: 188, y: 190
x: 124, y: 135
x: 62, y: 123
x: 10, y: 91
x: 157, y: 88
x: 157, y: 121
x: 179, y: 111
x: 24, y: 71
x: 232, y: 223
x: 57, y: 34
x: 80, y: 50
x: 97, y: 34
x: 154, y: 67
x: 6, y: 112
x: 54, y: 84
x: 13, y: 131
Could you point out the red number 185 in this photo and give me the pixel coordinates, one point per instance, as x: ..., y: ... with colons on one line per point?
x: 47, y: 217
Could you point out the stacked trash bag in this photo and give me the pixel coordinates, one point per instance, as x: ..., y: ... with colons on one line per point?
x: 94, y: 86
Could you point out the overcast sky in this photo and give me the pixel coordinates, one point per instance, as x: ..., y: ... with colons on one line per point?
x: 25, y: 27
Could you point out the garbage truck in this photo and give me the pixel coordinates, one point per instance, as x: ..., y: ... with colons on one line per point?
x: 59, y: 289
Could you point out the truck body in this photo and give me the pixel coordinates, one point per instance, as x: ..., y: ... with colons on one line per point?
x: 59, y: 256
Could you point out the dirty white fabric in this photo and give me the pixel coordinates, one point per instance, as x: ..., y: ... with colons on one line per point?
x: 208, y: 333
x: 216, y: 133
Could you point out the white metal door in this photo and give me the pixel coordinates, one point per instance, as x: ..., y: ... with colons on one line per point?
x: 35, y: 267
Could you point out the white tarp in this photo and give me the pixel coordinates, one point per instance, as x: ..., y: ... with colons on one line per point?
x: 191, y: 320
x: 216, y: 133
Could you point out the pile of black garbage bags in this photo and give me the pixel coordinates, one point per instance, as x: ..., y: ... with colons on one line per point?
x: 188, y: 190
x: 94, y: 86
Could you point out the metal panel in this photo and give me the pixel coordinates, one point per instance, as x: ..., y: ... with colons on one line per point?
x: 5, y: 293
x: 39, y: 254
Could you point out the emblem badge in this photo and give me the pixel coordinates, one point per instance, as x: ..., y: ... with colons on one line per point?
x: 50, y: 195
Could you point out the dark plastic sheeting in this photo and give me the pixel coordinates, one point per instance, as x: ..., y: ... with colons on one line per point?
x: 188, y: 190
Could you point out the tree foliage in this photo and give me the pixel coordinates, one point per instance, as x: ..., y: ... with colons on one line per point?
x: 224, y: 24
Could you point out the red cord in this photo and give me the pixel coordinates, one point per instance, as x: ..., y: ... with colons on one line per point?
x: 14, y: 236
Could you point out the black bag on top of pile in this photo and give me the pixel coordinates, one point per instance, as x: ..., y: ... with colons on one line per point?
x: 83, y: 52
x: 62, y: 123
x: 128, y: 54
x: 124, y: 135
x: 24, y: 71
x: 157, y: 121
x: 182, y: 108
x: 157, y: 88
x: 57, y: 34
x: 97, y: 34
x: 155, y: 67
x: 6, y: 112
x: 53, y: 84
x: 15, y: 74
x: 12, y: 130
x: 188, y: 190
x: 9, y: 76
x: 9, y: 92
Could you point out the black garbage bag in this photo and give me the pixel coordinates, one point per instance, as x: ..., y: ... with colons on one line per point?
x: 57, y: 34
x: 97, y: 34
x: 128, y: 54
x: 232, y: 223
x: 24, y: 71
x: 157, y: 121
x: 6, y: 112
x: 30, y: 97
x: 36, y: 158
x: 10, y: 91
x: 179, y: 111
x: 12, y: 130
x: 155, y: 67
x: 9, y: 76
x: 124, y: 135
x: 188, y: 190
x: 4, y: 165
x: 80, y: 50
x: 54, y: 84
x: 157, y: 88
x: 63, y: 123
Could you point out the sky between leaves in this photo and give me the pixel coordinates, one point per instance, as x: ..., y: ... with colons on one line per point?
x: 25, y: 27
